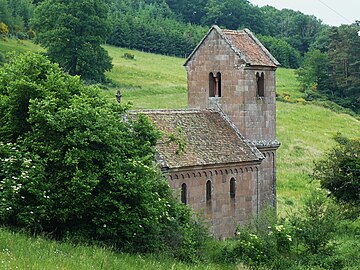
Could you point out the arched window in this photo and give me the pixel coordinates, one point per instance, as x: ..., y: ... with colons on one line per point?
x: 218, y: 79
x: 184, y: 193
x: 232, y: 188
x: 260, y: 80
x: 212, y: 85
x: 208, y: 191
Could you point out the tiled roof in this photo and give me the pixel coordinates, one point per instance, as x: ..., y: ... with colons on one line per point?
x: 245, y: 45
x: 209, y: 139
x: 250, y: 47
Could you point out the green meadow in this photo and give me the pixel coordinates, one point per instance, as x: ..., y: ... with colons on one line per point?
x: 155, y: 81
x: 18, y: 251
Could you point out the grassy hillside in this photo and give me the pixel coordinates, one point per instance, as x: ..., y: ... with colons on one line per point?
x: 9, y: 45
x: 154, y: 81
x: 148, y: 80
x: 18, y: 251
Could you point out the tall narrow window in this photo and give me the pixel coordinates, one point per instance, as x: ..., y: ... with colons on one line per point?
x: 232, y: 188
x: 212, y: 85
x: 184, y: 193
x: 218, y: 80
x: 260, y: 80
x: 208, y: 191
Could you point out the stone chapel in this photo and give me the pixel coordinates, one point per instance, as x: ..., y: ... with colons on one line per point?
x: 227, y: 171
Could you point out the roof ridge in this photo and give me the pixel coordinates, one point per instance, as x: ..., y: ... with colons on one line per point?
x: 225, y: 33
x: 145, y: 111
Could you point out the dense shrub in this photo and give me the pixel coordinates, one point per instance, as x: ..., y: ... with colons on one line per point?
x: 339, y: 170
x: 304, y: 240
x: 4, y: 30
x: 316, y: 223
x: 70, y: 165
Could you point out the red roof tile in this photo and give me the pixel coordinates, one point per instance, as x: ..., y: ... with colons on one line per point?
x: 245, y: 45
x: 209, y: 139
x: 251, y: 48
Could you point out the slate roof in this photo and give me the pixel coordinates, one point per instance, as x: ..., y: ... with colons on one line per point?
x: 209, y: 139
x: 245, y: 45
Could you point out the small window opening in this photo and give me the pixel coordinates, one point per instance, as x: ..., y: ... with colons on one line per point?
x: 215, y: 85
x: 212, y: 85
x: 260, y: 80
x: 184, y: 193
x: 208, y: 191
x: 232, y: 188
x: 218, y: 77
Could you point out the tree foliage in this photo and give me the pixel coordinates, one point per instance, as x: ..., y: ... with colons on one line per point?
x: 313, y: 75
x: 339, y: 170
x: 344, y: 55
x: 72, y: 32
x: 334, y: 71
x: 233, y: 14
x: 70, y: 164
x: 175, y: 27
x: 298, y: 29
x: 152, y: 28
x: 16, y: 15
x: 287, y: 55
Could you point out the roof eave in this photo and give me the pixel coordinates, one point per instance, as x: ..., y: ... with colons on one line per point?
x: 213, y: 166
x: 272, y: 58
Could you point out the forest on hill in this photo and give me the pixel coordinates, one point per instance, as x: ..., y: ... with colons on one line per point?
x: 327, y: 56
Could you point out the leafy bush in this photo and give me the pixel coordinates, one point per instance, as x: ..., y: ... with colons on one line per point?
x: 316, y: 223
x: 265, y: 244
x: 339, y: 170
x: 2, y: 58
x: 71, y: 166
x: 4, y: 30
x: 128, y: 55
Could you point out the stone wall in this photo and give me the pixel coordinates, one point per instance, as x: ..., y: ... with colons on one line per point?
x: 223, y: 212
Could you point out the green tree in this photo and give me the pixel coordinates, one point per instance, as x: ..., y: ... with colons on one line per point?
x: 189, y: 10
x: 298, y: 29
x: 72, y: 31
x: 344, y: 55
x: 316, y: 223
x: 313, y: 75
x: 233, y: 14
x: 77, y: 167
x: 339, y: 170
x: 287, y: 55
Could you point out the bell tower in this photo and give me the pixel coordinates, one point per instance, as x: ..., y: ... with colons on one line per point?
x: 232, y: 72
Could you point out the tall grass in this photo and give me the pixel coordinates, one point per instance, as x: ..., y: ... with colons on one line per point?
x: 17, y: 251
x: 10, y: 44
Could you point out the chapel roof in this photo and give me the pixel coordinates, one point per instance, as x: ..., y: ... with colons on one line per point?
x: 209, y: 139
x: 245, y: 45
